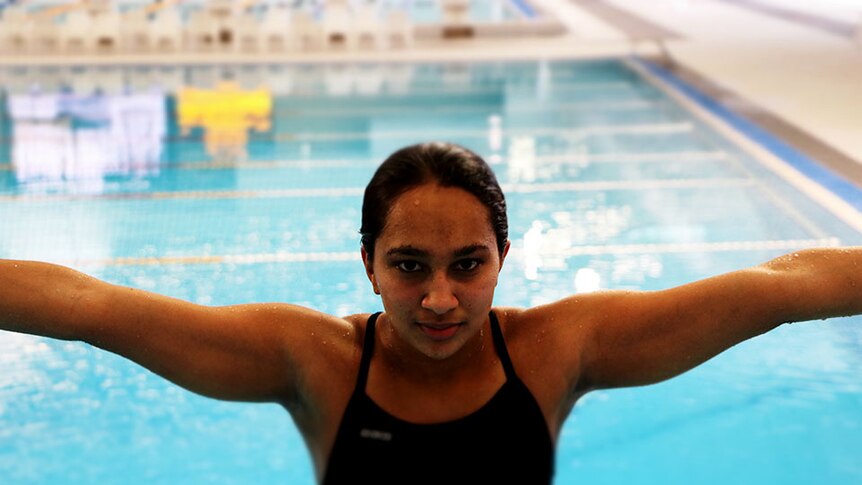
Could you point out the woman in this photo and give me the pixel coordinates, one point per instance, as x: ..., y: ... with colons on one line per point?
x: 441, y: 381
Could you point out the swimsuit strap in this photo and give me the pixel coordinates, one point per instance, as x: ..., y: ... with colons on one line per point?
x: 367, y: 351
x: 500, y: 345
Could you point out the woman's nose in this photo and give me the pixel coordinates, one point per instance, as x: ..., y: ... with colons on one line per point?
x: 440, y: 297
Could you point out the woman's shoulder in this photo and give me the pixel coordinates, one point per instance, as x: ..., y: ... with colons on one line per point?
x: 558, y: 318
x: 306, y: 331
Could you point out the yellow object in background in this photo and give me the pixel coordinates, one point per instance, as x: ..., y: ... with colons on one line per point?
x: 226, y: 113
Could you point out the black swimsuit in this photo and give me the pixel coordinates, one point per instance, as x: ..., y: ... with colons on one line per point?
x: 505, y: 441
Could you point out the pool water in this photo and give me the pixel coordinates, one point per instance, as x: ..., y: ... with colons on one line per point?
x: 610, y: 184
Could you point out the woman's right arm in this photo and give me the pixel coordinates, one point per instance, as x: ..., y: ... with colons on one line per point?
x: 241, y: 352
x: 46, y: 299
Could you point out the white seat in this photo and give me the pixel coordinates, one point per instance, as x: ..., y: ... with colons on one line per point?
x: 106, y: 31
x: 399, y: 29
x: 166, y: 31
x: 306, y: 33
x: 247, y: 33
x: 201, y: 32
x: 135, y: 34
x: 455, y: 12
x: 338, y: 31
x: 368, y: 27
x: 275, y: 30
x: 76, y: 32
x: 456, y: 16
x: 222, y: 15
x: 45, y: 35
x: 15, y: 30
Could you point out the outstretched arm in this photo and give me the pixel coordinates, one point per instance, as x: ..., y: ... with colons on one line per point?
x: 634, y: 338
x: 244, y: 352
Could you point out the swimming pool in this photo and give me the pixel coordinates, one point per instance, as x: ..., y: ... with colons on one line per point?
x: 611, y: 183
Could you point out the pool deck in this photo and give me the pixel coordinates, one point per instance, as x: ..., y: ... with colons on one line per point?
x: 794, y: 70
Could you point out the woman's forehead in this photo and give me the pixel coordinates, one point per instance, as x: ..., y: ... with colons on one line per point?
x: 431, y: 215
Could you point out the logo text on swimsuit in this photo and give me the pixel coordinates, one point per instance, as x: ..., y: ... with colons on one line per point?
x: 374, y: 434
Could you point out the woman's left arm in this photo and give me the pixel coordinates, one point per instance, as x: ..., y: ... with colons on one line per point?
x: 635, y: 338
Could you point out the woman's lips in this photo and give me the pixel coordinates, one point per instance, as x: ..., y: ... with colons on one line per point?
x: 440, y: 331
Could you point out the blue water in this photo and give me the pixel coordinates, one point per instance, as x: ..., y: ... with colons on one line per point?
x: 622, y: 184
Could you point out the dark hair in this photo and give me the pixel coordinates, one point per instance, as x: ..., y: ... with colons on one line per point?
x: 449, y: 165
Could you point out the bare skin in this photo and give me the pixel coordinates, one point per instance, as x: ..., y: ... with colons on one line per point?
x: 436, y: 271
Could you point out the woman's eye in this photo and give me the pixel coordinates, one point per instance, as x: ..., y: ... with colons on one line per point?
x: 467, y: 265
x: 408, y: 266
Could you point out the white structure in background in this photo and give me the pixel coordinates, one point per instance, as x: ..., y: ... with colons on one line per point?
x: 399, y: 77
x: 279, y: 80
x: 495, y: 137
x: 339, y: 79
x: 81, y: 138
x: 532, y: 250
x: 369, y: 79
x: 544, y: 81
x: 138, y: 126
x: 587, y: 280
x: 42, y: 147
x: 522, y: 159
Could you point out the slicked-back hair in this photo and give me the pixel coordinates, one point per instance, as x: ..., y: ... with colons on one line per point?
x: 447, y: 164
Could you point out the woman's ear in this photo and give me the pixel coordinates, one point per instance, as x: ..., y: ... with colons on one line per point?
x: 504, y: 253
x: 369, y: 270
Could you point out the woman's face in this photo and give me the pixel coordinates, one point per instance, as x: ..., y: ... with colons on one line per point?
x: 435, y: 266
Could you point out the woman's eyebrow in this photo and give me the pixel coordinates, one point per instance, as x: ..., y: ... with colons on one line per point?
x: 408, y: 250
x: 473, y: 248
